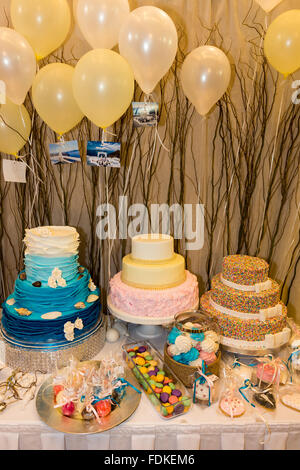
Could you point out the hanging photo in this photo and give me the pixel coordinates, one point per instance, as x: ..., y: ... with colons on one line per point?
x: 145, y: 114
x: 106, y: 154
x: 2, y: 92
x: 64, y: 152
x: 14, y: 171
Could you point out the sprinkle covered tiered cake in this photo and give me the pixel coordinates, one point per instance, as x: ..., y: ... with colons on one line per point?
x: 153, y: 283
x: 246, y: 304
x: 55, y: 303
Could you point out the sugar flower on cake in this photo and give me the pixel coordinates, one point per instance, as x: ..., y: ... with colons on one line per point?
x: 79, y: 324
x: 61, y: 282
x: 92, y: 298
x: 56, y: 274
x: 92, y: 286
x: 69, y: 331
x: 52, y: 283
x: 56, y: 279
x: 24, y: 312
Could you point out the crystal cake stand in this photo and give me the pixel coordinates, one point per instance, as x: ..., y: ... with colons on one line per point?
x: 29, y: 359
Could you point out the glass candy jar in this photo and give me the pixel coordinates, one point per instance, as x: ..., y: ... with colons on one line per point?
x: 193, y: 344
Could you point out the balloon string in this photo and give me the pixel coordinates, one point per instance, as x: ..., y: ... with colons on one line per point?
x: 149, y: 98
x: 153, y: 149
x: 104, y: 132
x: 108, y: 228
x: 62, y: 193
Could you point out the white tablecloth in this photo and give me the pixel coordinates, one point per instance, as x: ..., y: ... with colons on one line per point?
x: 200, y: 429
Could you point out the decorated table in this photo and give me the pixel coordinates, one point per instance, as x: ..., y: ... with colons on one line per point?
x: 200, y: 429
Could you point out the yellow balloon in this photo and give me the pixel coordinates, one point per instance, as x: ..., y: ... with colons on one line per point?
x: 44, y: 23
x: 282, y: 42
x: 52, y: 95
x: 103, y: 86
x: 15, y: 127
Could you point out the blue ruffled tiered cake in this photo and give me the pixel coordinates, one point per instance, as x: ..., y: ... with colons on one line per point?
x: 55, y: 303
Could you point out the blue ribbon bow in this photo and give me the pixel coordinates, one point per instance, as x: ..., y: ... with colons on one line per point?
x: 247, y: 384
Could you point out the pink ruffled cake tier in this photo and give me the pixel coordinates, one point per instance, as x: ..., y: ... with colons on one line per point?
x: 244, y: 301
x: 245, y: 270
x: 154, y: 303
x: 245, y: 330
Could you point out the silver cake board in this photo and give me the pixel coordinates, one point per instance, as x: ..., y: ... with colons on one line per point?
x: 253, y: 352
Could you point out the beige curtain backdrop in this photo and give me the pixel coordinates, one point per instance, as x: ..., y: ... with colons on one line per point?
x: 196, y: 164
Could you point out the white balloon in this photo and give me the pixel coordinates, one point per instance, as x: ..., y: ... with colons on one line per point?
x: 268, y: 5
x: 100, y: 21
x: 149, y: 41
x: 17, y: 64
x: 205, y: 77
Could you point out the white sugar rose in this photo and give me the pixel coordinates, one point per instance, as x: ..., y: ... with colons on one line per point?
x: 52, y: 283
x: 61, y: 282
x: 69, y: 331
x: 56, y: 273
x: 79, y: 324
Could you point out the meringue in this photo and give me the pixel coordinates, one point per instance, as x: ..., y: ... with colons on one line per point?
x: 183, y: 343
x: 208, y: 345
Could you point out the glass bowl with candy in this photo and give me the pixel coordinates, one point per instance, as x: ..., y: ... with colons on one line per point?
x: 193, y: 343
x: 162, y: 387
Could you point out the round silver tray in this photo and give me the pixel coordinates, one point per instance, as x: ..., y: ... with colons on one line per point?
x: 68, y: 425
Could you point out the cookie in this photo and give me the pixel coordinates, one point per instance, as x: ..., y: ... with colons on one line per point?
x: 291, y: 400
x: 267, y: 400
x: 232, y: 406
x: 202, y: 390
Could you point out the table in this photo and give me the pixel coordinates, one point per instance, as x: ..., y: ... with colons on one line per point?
x: 200, y: 429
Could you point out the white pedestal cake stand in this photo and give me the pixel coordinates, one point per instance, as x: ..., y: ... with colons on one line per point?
x: 141, y: 327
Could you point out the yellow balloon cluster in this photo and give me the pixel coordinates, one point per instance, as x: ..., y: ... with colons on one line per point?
x: 15, y: 127
x: 282, y: 42
x: 101, y: 86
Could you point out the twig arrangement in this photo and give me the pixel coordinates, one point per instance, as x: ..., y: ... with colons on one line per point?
x: 241, y: 162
